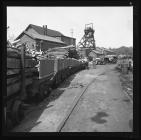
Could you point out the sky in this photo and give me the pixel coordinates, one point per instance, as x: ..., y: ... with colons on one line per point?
x: 113, y: 25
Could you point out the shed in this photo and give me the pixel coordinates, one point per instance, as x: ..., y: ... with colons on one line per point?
x: 96, y: 54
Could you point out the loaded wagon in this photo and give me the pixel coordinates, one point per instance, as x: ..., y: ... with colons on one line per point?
x: 31, y: 79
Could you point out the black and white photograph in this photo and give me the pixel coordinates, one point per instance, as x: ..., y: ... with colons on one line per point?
x: 69, y: 69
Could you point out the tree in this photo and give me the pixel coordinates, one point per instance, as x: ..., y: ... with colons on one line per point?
x: 73, y: 54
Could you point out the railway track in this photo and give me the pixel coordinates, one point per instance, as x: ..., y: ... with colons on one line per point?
x: 70, y: 111
x: 62, y: 124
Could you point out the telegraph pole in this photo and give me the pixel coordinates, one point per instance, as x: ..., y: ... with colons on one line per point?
x: 72, y: 33
x: 72, y: 36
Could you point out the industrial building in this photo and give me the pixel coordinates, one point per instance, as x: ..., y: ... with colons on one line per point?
x: 42, y: 38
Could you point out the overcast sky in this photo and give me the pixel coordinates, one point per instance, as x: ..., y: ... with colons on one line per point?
x: 113, y: 25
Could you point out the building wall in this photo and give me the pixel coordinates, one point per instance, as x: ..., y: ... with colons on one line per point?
x: 68, y: 40
x: 45, y: 45
x: 30, y: 42
x: 65, y: 39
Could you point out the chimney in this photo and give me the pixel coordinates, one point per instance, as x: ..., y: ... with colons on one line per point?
x: 46, y: 29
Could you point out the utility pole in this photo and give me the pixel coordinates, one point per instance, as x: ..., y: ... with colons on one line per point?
x: 72, y: 36
x: 72, y: 33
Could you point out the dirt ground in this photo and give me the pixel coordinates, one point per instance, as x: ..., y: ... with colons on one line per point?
x: 103, y: 108
x: 127, y: 83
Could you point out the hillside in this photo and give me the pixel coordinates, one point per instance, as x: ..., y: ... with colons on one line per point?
x: 123, y: 50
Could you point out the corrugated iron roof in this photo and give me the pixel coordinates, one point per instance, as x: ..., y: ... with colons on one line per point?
x: 65, y: 47
x: 109, y: 50
x: 97, y: 52
x: 43, y: 37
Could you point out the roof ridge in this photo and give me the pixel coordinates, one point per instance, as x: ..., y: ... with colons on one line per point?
x: 29, y: 34
x: 33, y: 35
x: 47, y: 28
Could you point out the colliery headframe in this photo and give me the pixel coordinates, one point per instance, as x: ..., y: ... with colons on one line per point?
x: 87, y: 41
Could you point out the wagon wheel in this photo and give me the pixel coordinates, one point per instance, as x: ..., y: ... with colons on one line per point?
x: 17, y: 112
x: 53, y: 82
x: 47, y: 90
x: 59, y: 78
x: 41, y: 92
x: 9, y: 123
x: 56, y: 80
x: 62, y: 76
x: 67, y: 73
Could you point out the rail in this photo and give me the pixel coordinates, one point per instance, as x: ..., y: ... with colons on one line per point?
x: 62, y: 124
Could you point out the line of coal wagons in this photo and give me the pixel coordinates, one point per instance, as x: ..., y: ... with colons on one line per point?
x: 31, y: 79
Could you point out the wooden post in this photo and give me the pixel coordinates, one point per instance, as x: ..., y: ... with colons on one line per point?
x: 55, y: 65
x: 41, y: 45
x: 23, y: 92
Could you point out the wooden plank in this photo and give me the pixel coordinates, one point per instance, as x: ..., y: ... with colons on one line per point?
x: 13, y: 63
x: 31, y: 70
x: 16, y: 63
x: 13, y: 53
x: 14, y: 88
x: 12, y: 48
x: 12, y: 81
x: 18, y: 56
x: 12, y: 75
x: 30, y: 63
x: 13, y: 71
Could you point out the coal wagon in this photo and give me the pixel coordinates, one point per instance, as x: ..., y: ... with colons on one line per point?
x: 31, y: 79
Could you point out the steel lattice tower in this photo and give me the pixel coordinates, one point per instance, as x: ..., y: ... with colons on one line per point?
x: 87, y: 40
